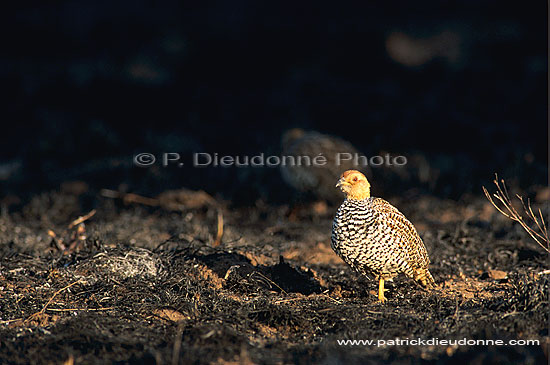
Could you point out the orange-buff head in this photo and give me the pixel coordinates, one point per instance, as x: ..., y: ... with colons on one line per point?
x: 354, y: 184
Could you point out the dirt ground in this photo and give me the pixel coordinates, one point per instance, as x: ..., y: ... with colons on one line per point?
x: 142, y: 284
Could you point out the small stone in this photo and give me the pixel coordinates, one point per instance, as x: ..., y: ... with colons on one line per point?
x: 497, y: 274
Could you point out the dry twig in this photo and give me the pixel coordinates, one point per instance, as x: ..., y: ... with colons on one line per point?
x: 540, y: 234
x: 55, y: 294
x: 37, y: 314
x: 269, y: 281
x: 129, y: 198
x: 82, y: 219
x: 219, y: 233
x: 80, y: 309
x: 69, y: 241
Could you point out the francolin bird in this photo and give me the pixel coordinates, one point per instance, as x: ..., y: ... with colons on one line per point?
x: 375, y: 238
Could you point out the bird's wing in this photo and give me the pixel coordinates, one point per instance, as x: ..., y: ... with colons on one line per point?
x: 403, y: 231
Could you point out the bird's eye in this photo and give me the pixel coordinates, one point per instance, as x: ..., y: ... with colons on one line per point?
x: 355, y: 178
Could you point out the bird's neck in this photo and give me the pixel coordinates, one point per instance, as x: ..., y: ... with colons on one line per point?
x: 359, y: 195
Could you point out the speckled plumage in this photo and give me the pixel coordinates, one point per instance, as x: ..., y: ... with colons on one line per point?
x: 317, y: 180
x: 376, y: 239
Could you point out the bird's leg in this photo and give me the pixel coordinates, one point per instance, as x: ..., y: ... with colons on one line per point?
x: 381, y: 297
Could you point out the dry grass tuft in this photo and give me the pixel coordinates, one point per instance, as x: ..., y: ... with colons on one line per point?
x: 539, y: 233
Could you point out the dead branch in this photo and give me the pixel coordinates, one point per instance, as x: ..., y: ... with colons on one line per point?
x: 540, y: 234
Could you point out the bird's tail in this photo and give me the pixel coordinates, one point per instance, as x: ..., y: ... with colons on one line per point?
x: 425, y: 278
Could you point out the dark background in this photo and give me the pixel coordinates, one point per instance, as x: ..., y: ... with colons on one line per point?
x: 91, y: 83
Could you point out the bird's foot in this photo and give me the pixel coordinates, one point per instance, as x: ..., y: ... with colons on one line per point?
x: 381, y: 289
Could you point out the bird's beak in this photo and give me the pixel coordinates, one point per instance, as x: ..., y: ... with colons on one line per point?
x: 342, y: 182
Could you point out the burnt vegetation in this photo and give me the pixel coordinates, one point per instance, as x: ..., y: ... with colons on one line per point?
x: 146, y: 283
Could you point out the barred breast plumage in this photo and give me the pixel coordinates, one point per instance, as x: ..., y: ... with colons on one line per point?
x: 375, y: 238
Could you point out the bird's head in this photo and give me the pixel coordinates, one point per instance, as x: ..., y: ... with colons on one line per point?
x: 291, y: 136
x: 354, y: 184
